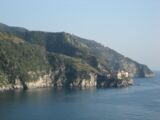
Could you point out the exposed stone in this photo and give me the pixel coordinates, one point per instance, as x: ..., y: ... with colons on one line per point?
x: 18, y: 84
x: 44, y: 81
x: 6, y: 87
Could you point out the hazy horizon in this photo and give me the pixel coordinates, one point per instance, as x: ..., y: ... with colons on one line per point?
x: 129, y: 27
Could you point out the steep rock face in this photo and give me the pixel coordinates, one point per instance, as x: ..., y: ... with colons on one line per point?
x: 30, y: 59
x: 91, y: 81
x: 17, y: 59
x: 42, y: 81
x: 115, y: 61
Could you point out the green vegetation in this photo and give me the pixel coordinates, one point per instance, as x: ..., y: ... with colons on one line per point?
x: 10, y: 37
x: 27, y: 55
x: 72, y: 68
x: 17, y: 59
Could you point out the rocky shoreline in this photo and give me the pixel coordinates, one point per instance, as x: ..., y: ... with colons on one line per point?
x: 94, y: 81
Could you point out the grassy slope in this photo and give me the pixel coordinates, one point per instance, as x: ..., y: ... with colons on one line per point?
x: 17, y: 58
x: 88, y: 51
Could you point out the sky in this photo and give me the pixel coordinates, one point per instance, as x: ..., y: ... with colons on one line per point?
x: 131, y: 27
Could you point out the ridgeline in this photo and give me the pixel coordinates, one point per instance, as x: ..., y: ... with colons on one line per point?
x: 31, y: 59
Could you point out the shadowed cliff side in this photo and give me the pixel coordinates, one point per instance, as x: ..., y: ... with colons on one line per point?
x: 40, y: 59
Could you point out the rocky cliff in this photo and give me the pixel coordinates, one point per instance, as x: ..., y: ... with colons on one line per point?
x: 39, y: 59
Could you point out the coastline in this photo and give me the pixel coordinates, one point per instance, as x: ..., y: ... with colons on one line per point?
x: 84, y: 84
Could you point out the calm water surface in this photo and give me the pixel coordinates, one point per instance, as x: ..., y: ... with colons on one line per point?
x: 139, y: 102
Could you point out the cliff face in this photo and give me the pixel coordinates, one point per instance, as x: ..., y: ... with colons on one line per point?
x: 116, y: 61
x: 39, y: 59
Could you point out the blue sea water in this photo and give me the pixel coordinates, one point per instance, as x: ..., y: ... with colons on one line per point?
x: 138, y: 102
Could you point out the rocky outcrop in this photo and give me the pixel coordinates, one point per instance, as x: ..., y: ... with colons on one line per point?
x: 6, y: 87
x: 42, y: 81
x: 79, y: 81
x: 90, y: 82
x: 118, y: 79
x: 33, y: 59
x: 94, y: 80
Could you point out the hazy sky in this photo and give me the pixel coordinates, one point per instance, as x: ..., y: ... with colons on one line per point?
x: 132, y: 27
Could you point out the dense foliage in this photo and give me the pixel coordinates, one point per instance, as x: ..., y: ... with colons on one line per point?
x: 17, y: 59
x: 29, y: 54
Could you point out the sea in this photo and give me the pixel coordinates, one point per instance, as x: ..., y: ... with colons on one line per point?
x: 138, y: 102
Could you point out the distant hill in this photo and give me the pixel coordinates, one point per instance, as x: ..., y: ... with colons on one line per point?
x: 36, y: 58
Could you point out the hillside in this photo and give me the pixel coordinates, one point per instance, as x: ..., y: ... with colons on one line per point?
x: 40, y: 59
